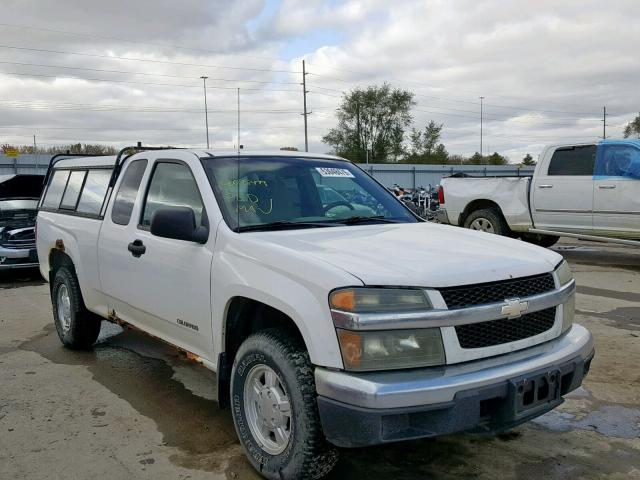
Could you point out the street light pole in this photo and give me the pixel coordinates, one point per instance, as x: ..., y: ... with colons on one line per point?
x: 206, y: 111
x: 481, y: 100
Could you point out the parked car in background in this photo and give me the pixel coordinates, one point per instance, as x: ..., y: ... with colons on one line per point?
x: 589, y: 191
x: 19, y: 195
x: 325, y: 327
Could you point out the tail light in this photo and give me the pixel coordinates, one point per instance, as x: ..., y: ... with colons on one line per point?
x: 440, y: 195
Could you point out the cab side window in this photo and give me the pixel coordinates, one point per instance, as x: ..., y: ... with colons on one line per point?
x: 172, y: 185
x: 72, y: 192
x: 618, y: 161
x: 56, y: 188
x: 573, y: 161
x: 126, y: 197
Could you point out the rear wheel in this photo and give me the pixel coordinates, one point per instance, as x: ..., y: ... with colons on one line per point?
x: 275, y: 410
x: 487, y: 220
x: 76, y: 326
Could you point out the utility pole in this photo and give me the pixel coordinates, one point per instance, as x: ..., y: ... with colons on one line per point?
x: 481, y: 100
x: 239, y: 146
x: 206, y: 112
x: 35, y: 152
x: 604, y: 122
x: 304, y: 101
x: 358, y: 124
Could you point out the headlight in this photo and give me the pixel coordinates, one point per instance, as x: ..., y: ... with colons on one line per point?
x: 564, y: 273
x: 379, y: 300
x: 391, y: 349
x: 366, y: 350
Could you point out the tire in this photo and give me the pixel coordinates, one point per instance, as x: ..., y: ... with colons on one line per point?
x: 305, y: 454
x: 76, y: 326
x: 488, y: 220
x: 541, y: 240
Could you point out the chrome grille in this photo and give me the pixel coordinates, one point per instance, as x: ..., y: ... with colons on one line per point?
x: 482, y: 293
x: 18, y: 219
x: 506, y: 330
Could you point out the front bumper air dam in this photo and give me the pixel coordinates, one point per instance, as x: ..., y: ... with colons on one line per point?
x: 357, y: 410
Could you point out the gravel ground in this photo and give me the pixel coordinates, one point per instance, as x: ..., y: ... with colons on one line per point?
x: 134, y: 408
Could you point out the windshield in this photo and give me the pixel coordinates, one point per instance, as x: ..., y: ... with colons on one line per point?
x: 262, y: 191
x: 20, y: 204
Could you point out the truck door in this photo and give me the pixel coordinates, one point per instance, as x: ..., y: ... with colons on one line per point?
x: 563, y: 190
x: 616, y: 191
x: 159, y: 284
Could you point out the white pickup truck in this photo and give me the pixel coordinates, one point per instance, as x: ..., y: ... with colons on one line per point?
x: 589, y: 191
x: 327, y: 326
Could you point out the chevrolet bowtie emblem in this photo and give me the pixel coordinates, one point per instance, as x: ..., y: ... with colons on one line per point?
x: 514, y: 308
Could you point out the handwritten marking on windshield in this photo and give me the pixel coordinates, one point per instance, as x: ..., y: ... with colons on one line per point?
x: 243, y: 182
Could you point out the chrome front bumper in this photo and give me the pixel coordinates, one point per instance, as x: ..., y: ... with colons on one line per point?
x: 12, y: 258
x: 15, y: 252
x: 437, y: 385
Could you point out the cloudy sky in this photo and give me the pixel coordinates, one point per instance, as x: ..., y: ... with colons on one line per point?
x: 121, y: 71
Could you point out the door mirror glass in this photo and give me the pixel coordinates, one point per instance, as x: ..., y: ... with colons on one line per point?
x: 178, y: 223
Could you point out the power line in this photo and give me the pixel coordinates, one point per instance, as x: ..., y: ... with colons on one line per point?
x: 129, y: 72
x: 119, y: 39
x: 132, y: 82
x: 416, y: 84
x: 118, y: 108
x: 148, y: 60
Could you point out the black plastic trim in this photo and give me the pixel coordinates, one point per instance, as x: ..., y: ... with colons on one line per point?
x: 487, y: 409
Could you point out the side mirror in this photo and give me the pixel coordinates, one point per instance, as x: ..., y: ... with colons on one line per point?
x: 178, y: 223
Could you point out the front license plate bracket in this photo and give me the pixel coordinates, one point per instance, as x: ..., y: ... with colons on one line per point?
x: 536, y: 392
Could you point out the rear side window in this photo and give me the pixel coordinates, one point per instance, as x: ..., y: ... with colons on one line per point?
x: 94, y: 191
x: 574, y: 161
x: 72, y: 192
x: 126, y: 197
x: 56, y: 189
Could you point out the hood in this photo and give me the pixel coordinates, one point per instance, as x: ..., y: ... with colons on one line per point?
x: 21, y: 186
x: 417, y: 254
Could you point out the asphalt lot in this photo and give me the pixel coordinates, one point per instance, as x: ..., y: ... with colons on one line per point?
x: 133, y: 408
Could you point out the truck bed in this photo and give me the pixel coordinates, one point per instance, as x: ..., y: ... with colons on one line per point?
x: 510, y: 194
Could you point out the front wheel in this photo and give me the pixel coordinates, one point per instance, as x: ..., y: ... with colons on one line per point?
x: 275, y: 410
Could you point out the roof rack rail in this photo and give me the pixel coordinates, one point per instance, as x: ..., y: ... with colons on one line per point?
x: 61, y: 156
x: 125, y: 153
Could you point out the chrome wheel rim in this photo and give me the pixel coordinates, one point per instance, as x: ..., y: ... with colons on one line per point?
x: 268, y: 410
x: 64, y: 308
x: 482, y: 225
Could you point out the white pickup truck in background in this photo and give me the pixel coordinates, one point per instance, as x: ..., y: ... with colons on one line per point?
x: 331, y: 314
x: 589, y: 191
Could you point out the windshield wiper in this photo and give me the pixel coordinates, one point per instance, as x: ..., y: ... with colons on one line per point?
x: 361, y: 219
x: 281, y: 225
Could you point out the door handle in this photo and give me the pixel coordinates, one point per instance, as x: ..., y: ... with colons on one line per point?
x: 607, y: 187
x: 545, y: 186
x: 137, y: 248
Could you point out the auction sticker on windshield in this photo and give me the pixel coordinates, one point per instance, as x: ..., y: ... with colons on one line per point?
x: 334, y: 172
